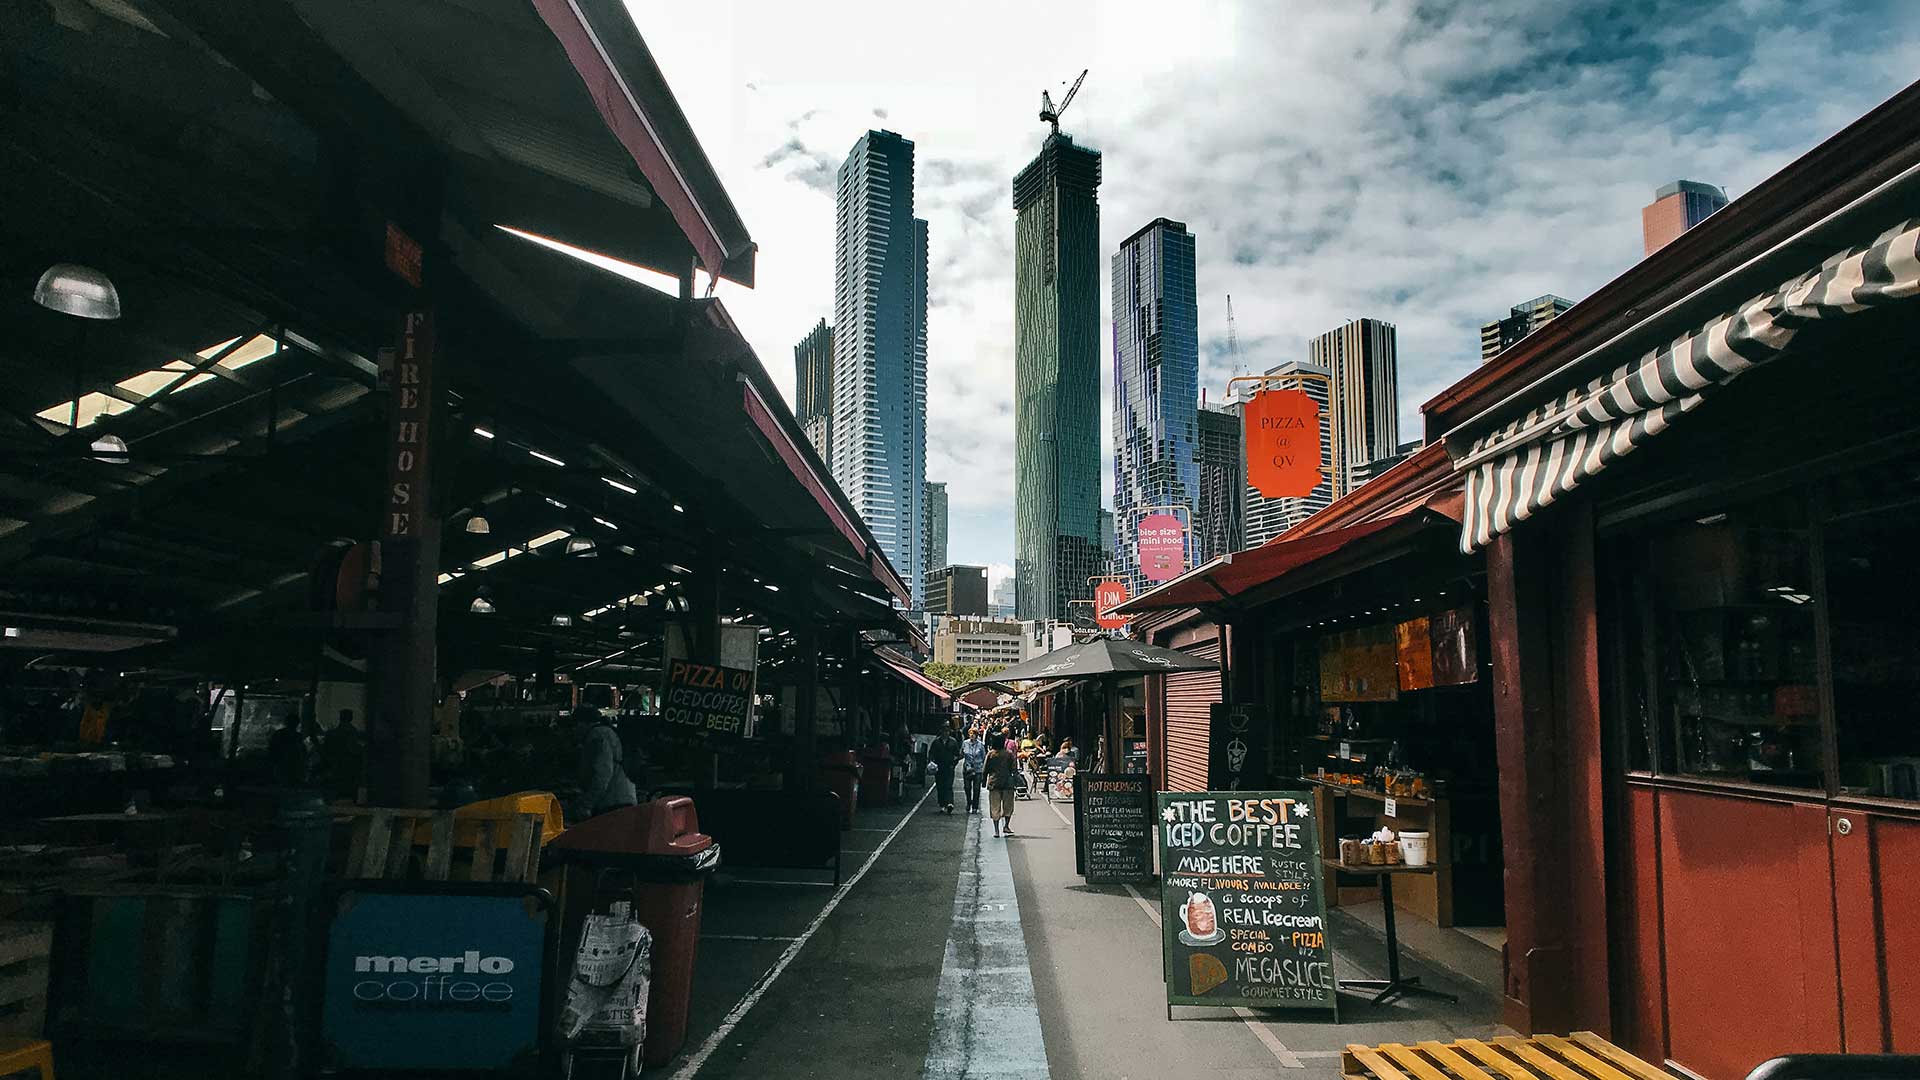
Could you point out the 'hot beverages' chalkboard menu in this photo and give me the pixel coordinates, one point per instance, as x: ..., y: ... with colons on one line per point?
x: 1116, y: 837
x: 1243, y: 917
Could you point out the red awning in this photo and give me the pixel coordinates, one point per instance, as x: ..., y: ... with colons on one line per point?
x: 1233, y: 575
x: 908, y: 673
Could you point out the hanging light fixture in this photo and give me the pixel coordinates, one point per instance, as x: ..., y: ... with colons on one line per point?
x: 111, y: 449
x: 482, y: 602
x: 77, y: 290
x: 478, y: 524
x: 562, y: 620
x: 583, y: 546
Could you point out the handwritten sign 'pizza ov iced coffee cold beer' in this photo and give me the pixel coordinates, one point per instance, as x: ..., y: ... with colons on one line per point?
x: 1243, y: 915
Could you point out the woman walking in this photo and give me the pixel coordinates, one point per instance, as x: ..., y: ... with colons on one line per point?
x: 974, y: 751
x: 1001, y: 783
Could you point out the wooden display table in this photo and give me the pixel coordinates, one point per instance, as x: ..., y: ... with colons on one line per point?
x: 1430, y: 896
x: 1580, y: 1056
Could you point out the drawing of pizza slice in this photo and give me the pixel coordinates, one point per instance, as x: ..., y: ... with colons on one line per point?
x: 1206, y: 972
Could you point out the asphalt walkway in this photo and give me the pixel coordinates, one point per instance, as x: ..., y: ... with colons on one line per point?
x: 949, y: 953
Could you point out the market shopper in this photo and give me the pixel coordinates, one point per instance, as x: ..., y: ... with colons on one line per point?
x: 974, y: 753
x: 944, y: 755
x: 1001, y: 785
x: 604, y: 784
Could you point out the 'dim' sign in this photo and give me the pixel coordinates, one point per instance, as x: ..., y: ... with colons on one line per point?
x: 1243, y: 918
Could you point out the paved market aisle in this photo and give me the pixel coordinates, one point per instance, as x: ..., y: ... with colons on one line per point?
x: 1095, y: 958
x: 798, y: 978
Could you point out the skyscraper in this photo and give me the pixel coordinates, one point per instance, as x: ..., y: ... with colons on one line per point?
x: 813, y: 388
x: 1156, y: 387
x: 879, y: 436
x: 1675, y: 208
x: 1522, y: 319
x: 1267, y: 518
x: 1364, y: 398
x: 957, y: 590
x: 1056, y: 335
x: 1217, y: 524
x: 936, y: 530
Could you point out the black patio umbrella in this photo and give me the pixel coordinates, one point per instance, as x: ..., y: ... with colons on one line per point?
x: 1104, y: 661
x: 1097, y: 659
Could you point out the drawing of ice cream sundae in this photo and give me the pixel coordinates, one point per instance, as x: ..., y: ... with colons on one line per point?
x: 1198, y: 916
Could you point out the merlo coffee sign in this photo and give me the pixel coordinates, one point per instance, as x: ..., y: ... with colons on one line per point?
x: 1243, y: 915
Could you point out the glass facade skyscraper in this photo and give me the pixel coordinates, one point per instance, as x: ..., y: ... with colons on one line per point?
x: 1365, y: 396
x: 1056, y: 409
x: 1156, y: 388
x: 936, y: 538
x: 813, y: 388
x: 1217, y: 521
x: 879, y: 427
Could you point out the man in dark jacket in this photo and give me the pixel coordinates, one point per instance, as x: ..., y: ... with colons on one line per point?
x: 944, y: 754
x: 604, y: 784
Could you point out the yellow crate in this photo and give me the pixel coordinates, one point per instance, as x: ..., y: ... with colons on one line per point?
x: 1580, y: 1056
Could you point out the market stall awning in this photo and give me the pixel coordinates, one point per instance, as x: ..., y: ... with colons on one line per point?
x: 1519, y: 468
x: 1044, y: 689
x: 1100, y: 658
x: 911, y: 675
x: 1231, y: 576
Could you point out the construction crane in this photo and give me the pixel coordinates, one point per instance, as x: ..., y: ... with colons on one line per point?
x: 1052, y: 115
x: 1233, y: 338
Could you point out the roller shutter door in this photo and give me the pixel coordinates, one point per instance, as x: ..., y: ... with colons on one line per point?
x: 1190, y: 697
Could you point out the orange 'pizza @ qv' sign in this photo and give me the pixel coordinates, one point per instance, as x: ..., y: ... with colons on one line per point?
x: 1283, y: 443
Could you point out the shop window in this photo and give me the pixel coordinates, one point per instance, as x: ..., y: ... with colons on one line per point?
x: 1872, y: 592
x: 1728, y: 642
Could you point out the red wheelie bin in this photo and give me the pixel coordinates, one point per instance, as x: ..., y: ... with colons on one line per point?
x: 655, y: 856
x: 840, y: 774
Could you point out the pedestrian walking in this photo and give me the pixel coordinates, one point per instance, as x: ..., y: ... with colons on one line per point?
x: 943, y: 756
x: 1001, y: 785
x: 974, y: 751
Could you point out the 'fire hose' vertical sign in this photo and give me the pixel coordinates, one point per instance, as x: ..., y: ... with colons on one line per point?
x: 411, y: 384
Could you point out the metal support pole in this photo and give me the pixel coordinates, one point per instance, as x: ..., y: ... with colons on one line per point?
x: 805, y: 755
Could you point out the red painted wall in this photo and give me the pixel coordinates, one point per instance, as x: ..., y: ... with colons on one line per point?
x: 1747, y: 921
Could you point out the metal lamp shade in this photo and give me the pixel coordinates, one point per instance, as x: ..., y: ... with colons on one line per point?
x: 77, y: 290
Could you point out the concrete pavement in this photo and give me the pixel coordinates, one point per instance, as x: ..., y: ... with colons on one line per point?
x: 952, y: 954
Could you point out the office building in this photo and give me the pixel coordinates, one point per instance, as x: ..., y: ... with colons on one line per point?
x: 1222, y: 470
x: 935, y: 543
x: 1156, y: 388
x: 879, y: 435
x: 957, y: 590
x: 1522, y: 319
x: 989, y: 642
x: 1369, y: 470
x: 1001, y: 603
x: 1364, y: 397
x: 1264, y: 518
x: 813, y: 388
x: 1056, y: 331
x: 1108, y: 536
x: 1675, y: 208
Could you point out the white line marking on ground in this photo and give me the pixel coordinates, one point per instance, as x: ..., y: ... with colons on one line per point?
x: 742, y: 937
x: 1287, y: 1058
x: 857, y: 828
x: 699, y: 1058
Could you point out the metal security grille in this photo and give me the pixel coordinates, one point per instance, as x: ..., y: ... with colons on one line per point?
x: 1190, y: 697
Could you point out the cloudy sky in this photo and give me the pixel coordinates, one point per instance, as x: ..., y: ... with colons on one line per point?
x: 1426, y: 162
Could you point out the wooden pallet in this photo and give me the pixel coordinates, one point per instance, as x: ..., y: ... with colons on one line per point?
x: 1580, y: 1056
x: 386, y: 845
x: 24, y: 948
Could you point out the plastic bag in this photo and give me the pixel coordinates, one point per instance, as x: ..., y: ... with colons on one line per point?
x: 612, y: 971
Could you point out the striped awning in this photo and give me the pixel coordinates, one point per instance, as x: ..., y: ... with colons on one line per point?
x: 1514, y: 471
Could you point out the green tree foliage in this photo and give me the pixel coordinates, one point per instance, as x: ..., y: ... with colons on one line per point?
x: 953, y: 676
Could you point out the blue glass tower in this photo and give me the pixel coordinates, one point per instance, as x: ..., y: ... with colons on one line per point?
x: 1156, y: 387
x: 879, y: 426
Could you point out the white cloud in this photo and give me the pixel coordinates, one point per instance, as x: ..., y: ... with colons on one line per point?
x: 1425, y: 163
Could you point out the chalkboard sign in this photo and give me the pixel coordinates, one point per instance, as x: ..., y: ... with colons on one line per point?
x: 706, y: 699
x: 1115, y: 834
x: 1243, y: 916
